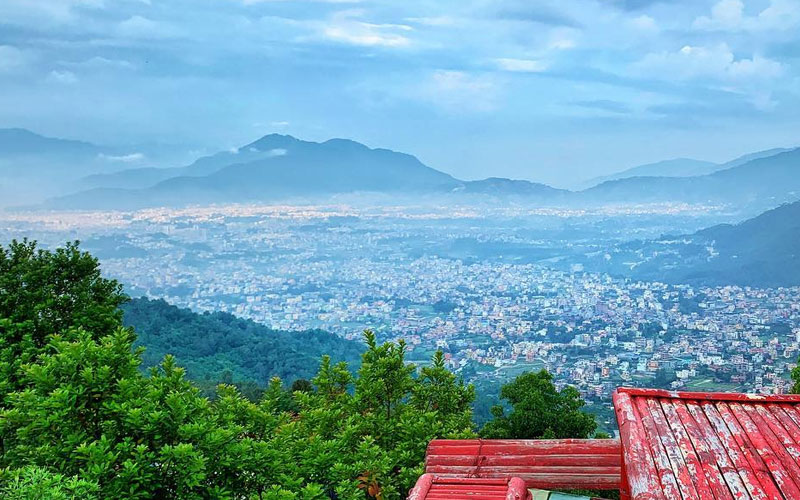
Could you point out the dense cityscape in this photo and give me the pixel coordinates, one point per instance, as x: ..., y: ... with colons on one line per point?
x: 484, y: 290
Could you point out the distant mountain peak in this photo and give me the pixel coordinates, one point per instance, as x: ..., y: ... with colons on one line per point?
x: 272, y: 141
x: 23, y: 141
x: 345, y: 144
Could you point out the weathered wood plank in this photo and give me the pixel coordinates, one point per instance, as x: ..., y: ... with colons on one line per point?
x: 718, y: 451
x: 690, y: 457
x: 514, y: 470
x: 421, y: 489
x: 789, y: 446
x: 748, y: 450
x: 708, y: 464
x: 640, y: 468
x: 710, y: 396
x: 526, y: 460
x: 793, y: 411
x: 669, y: 482
x: 731, y: 447
x: 523, y: 447
x: 769, y: 449
x: 673, y: 453
x: 786, y: 421
x: 517, y: 489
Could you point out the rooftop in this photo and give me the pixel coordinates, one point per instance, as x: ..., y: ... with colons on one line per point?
x: 673, y: 445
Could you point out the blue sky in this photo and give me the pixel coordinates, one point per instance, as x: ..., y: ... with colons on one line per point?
x: 553, y: 91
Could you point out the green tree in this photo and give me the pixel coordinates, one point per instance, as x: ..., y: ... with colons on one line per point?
x: 369, y: 433
x: 80, y: 418
x: 37, y: 483
x: 796, y: 378
x: 538, y: 410
x: 44, y: 293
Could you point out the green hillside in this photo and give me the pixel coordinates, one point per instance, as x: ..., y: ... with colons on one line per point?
x: 212, y: 346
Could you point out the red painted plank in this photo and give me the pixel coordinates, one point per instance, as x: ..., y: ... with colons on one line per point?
x: 748, y: 450
x: 780, y: 432
x: 708, y: 463
x: 710, y: 396
x: 639, y: 466
x: 669, y: 482
x: 421, y: 489
x: 553, y: 481
x: 792, y: 411
x: 791, y: 427
x: 431, y: 487
x: 684, y: 442
x: 718, y: 451
x: 525, y: 460
x: 523, y: 447
x: 546, y: 463
x: 517, y: 490
x: 513, y: 470
x: 671, y: 449
x: 731, y: 448
x: 769, y: 449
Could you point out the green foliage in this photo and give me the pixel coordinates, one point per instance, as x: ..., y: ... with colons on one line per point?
x: 371, y: 430
x: 44, y: 293
x: 538, y: 410
x: 80, y: 419
x: 796, y: 379
x: 37, y: 483
x: 218, y: 346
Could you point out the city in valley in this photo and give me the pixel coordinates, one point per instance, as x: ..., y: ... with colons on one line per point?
x: 499, y: 290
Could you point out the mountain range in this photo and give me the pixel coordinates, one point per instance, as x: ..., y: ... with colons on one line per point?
x: 34, y: 167
x: 681, y: 167
x: 760, y: 182
x: 19, y: 141
x: 283, y: 168
x: 762, y: 251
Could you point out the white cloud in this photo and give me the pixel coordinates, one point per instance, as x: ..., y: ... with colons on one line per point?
x: 129, y: 158
x: 781, y: 14
x: 521, y: 65
x: 144, y: 28
x: 461, y: 91
x: 12, y: 59
x: 48, y: 11
x: 725, y: 14
x: 98, y: 62
x: 63, y: 77
x: 255, y: 2
x: 563, y: 39
x: 433, y: 21
x: 729, y: 15
x: 644, y: 23
x: 347, y: 27
x: 717, y: 63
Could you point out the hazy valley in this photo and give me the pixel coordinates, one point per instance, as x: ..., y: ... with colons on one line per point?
x: 625, y: 282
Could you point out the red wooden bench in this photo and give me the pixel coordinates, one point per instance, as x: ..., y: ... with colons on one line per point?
x: 431, y: 487
x: 548, y: 464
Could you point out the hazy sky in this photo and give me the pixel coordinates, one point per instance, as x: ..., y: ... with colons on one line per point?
x: 551, y: 91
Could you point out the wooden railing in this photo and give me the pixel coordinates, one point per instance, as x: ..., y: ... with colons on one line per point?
x: 548, y: 464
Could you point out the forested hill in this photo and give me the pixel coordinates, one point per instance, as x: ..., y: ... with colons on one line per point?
x: 209, y: 345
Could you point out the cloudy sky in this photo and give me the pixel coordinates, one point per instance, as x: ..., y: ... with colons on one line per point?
x: 554, y: 91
